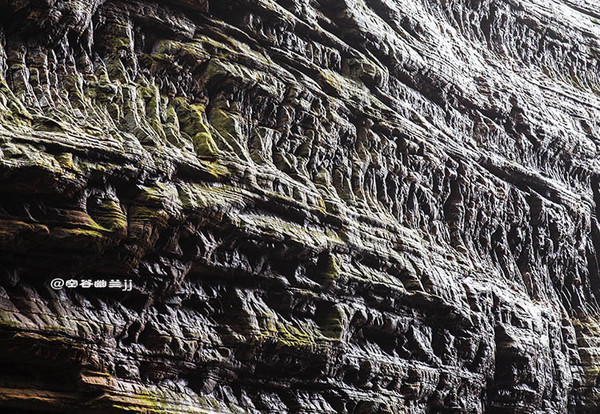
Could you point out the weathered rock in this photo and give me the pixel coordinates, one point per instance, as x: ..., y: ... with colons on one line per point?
x: 382, y: 206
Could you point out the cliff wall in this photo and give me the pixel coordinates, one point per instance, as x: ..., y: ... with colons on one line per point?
x: 323, y: 206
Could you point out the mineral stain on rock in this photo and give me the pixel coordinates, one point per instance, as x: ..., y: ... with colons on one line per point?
x: 355, y: 207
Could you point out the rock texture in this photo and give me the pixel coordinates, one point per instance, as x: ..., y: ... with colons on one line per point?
x: 324, y: 206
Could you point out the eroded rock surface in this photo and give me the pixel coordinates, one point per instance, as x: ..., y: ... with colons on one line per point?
x: 357, y: 206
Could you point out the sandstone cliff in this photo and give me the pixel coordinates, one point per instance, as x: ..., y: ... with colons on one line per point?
x: 324, y: 206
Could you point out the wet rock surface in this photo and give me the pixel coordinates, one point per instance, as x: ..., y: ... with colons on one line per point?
x: 381, y: 206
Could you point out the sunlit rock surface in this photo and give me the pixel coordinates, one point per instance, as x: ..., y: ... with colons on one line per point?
x: 325, y: 206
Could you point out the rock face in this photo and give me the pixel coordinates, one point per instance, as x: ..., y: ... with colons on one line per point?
x: 324, y: 206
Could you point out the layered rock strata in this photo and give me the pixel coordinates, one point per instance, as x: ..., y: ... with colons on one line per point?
x: 349, y: 206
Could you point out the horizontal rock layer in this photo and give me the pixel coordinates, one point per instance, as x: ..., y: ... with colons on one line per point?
x: 382, y: 206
